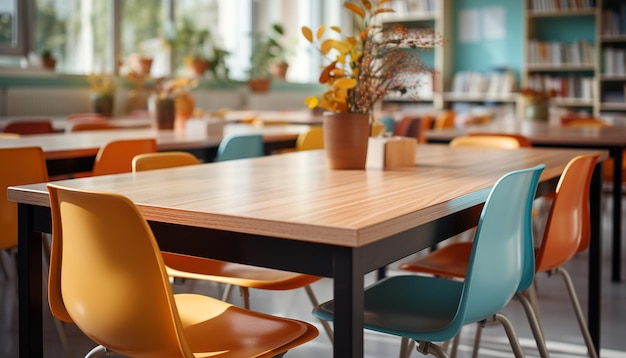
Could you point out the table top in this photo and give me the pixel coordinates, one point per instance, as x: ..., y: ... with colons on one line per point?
x: 543, y: 133
x: 295, y: 196
x: 67, y: 145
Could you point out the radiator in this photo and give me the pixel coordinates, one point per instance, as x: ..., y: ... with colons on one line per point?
x: 38, y: 101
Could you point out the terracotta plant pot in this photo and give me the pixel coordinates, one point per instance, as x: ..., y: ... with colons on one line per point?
x: 279, y: 70
x: 259, y: 84
x: 345, y: 139
x: 49, y: 63
x: 197, y: 67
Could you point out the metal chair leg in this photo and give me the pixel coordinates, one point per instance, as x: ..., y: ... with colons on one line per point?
x: 404, y: 348
x: 579, y: 313
x: 315, y: 303
x: 477, y: 337
x: 535, y: 326
x: 510, y: 333
x: 431, y: 348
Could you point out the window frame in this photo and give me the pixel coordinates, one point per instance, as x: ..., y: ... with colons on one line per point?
x: 24, y: 18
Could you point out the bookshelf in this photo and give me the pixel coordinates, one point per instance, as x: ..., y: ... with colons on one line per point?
x: 433, y: 14
x: 562, y: 52
x: 612, y: 39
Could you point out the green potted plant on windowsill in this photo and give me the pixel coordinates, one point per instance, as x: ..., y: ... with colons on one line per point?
x: 47, y: 59
x: 266, y: 51
x: 199, y: 51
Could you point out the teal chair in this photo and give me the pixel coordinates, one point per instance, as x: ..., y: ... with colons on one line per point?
x: 239, y: 147
x: 389, y: 122
x: 430, y: 309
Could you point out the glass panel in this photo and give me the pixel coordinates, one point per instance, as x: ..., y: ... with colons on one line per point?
x: 142, y: 35
x: 78, y: 33
x: 8, y: 23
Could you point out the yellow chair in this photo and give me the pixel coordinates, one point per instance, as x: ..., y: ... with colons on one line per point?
x: 117, y: 156
x: 108, y: 277
x: 26, y: 165
x: 311, y: 139
x: 160, y: 160
x: 244, y: 276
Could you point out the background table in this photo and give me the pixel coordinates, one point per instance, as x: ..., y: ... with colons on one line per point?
x: 68, y: 153
x: 290, y: 212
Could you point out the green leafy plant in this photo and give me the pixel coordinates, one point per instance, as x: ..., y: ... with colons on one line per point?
x: 266, y: 49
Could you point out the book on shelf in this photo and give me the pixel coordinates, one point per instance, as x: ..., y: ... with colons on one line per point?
x: 561, y: 5
x: 614, y: 61
x: 614, y: 22
x: 579, y: 87
x: 496, y: 82
x: 416, y: 7
x: 559, y: 53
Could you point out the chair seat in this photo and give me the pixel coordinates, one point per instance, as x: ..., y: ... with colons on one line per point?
x: 418, y: 307
x: 198, y: 268
x: 210, y: 330
x: 449, y: 261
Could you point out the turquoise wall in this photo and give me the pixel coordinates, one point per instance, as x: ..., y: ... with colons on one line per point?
x: 485, y: 54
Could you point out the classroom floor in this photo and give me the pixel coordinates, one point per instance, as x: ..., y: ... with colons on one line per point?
x: 562, y: 334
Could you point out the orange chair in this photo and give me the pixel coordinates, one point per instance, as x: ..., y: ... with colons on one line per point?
x: 523, y: 141
x: 95, y: 125
x: 29, y: 126
x: 25, y: 165
x: 244, y: 276
x: 444, y: 120
x: 107, y: 276
x: 501, y: 142
x: 117, y: 156
x: 566, y: 233
x: 607, y: 166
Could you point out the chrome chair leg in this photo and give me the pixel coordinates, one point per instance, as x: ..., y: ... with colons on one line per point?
x: 477, y: 337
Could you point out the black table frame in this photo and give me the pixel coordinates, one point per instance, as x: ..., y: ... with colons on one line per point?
x: 346, y: 265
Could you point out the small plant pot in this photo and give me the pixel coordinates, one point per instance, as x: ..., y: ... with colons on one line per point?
x: 259, y: 84
x: 48, y: 63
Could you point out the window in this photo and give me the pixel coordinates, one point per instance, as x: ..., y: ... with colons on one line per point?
x: 78, y: 33
x: 12, y: 39
x: 96, y: 36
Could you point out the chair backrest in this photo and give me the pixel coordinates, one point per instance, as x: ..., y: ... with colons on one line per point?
x: 499, y: 253
x: 161, y: 160
x: 239, y: 147
x: 107, y: 275
x: 502, y: 142
x: 584, y: 122
x: 523, y: 141
x: 377, y: 128
x: 117, y: 156
x: 389, y: 123
x: 20, y: 166
x: 567, y: 228
x: 29, y: 126
x: 311, y: 139
x: 95, y: 125
x: 443, y: 120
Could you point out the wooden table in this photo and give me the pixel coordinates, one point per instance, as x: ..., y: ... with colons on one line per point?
x: 68, y: 153
x: 290, y: 212
x: 545, y: 135
x: 304, y: 116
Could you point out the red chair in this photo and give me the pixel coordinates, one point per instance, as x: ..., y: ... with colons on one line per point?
x: 29, y: 126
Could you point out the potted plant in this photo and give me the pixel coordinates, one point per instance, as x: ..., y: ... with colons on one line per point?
x: 266, y: 50
x: 103, y: 93
x: 190, y: 43
x: 47, y: 59
x: 362, y: 69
